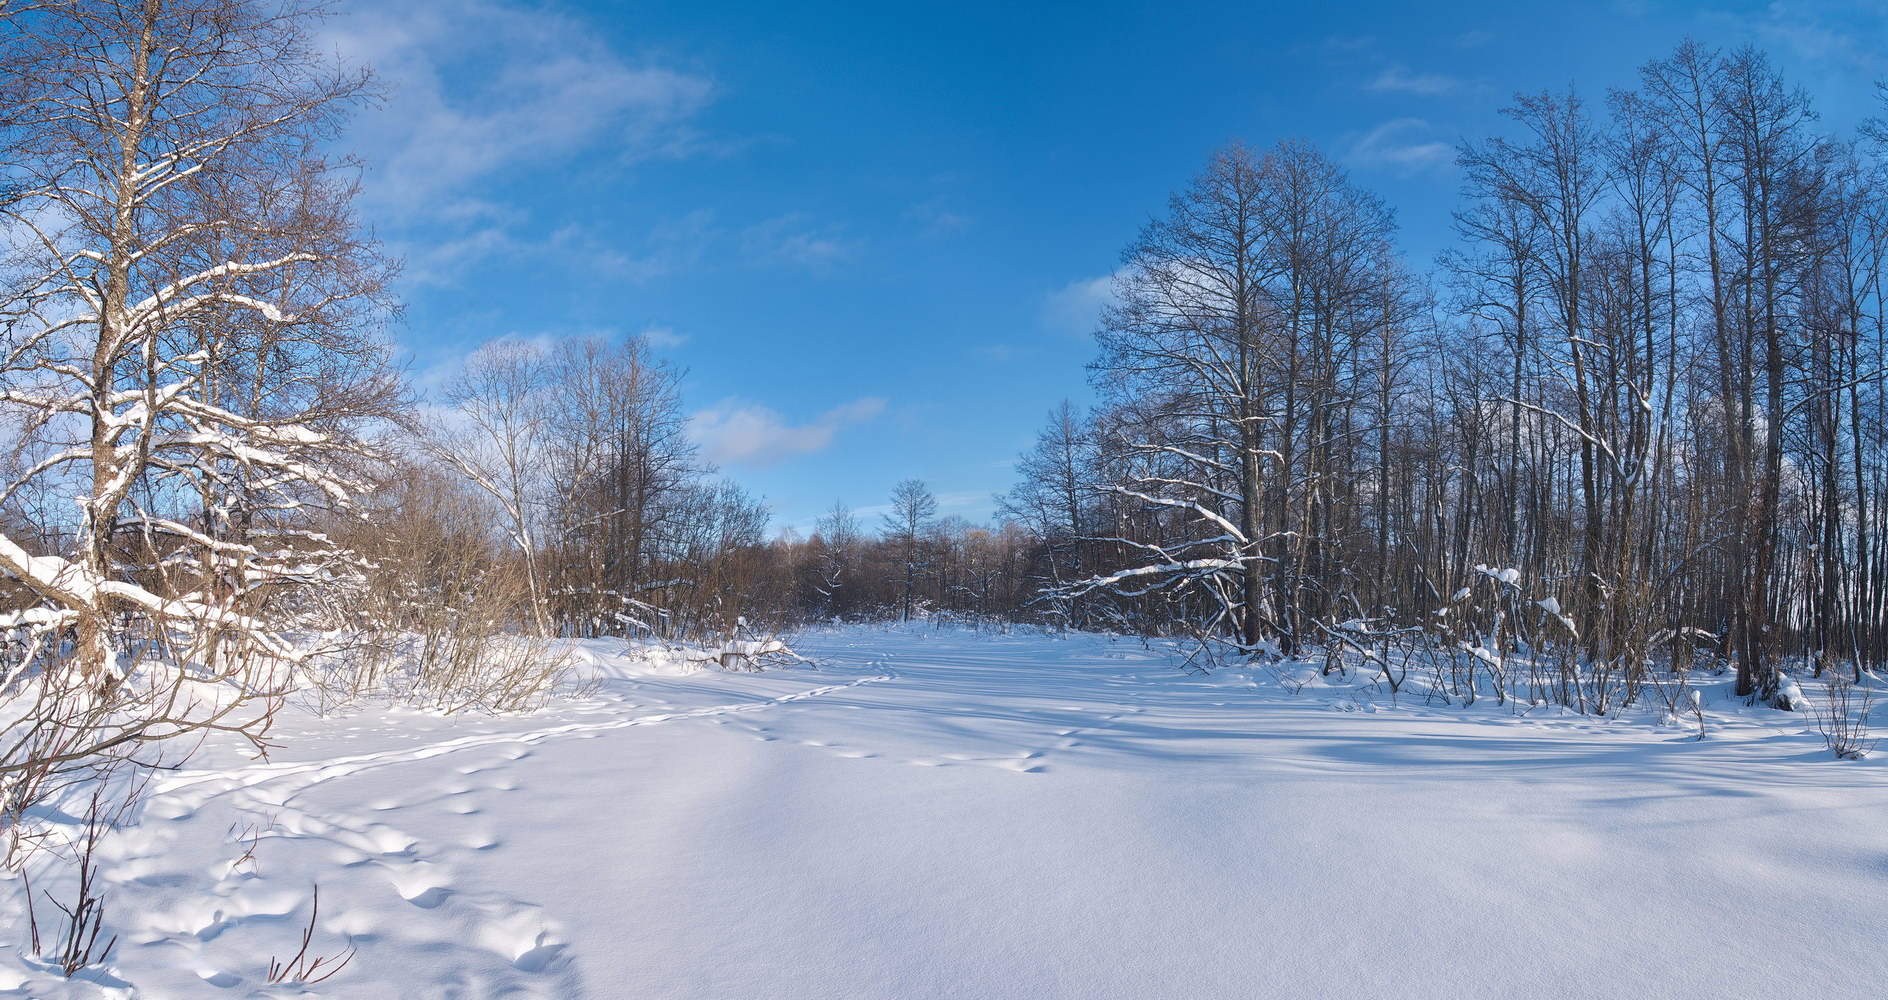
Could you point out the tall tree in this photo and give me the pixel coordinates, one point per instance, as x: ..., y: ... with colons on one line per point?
x: 190, y: 308
x: 839, y: 536
x: 913, y: 507
x: 1054, y: 487
x: 1242, y: 318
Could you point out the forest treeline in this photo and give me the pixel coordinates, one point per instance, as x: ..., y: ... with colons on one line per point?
x: 1634, y: 418
x: 1649, y: 379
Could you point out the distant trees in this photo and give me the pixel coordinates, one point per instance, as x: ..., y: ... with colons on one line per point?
x: 838, y: 538
x: 626, y: 480
x: 582, y: 446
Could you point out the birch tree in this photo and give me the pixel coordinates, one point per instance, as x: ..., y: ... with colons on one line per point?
x: 191, y: 372
x: 188, y: 307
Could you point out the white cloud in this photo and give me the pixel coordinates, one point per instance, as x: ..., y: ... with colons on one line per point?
x: 737, y: 431
x: 1801, y: 29
x: 665, y: 338
x: 1403, y: 145
x: 1075, y: 308
x: 483, y: 86
x: 669, y: 246
x: 1399, y: 78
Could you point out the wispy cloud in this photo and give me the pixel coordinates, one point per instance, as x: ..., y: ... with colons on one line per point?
x: 798, y: 240
x: 1399, y: 78
x: 544, y: 88
x: 665, y: 338
x: 1404, y: 145
x: 1075, y: 308
x: 437, y: 368
x: 670, y: 245
x: 958, y: 502
x: 736, y: 431
x: 483, y: 89
x: 1855, y: 38
x: 935, y: 220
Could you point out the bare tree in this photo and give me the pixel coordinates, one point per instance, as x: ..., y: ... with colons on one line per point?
x: 191, y: 363
x: 623, y: 471
x: 912, y: 509
x: 1243, y: 315
x: 1053, y: 489
x: 171, y: 223
x: 501, y: 445
x: 839, y: 536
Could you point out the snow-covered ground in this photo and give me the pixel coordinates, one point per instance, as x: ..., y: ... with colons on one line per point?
x: 962, y: 815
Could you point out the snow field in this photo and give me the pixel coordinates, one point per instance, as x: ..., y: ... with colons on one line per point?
x: 951, y: 814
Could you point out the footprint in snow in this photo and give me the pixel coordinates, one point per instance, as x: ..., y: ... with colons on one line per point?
x: 429, y: 898
x: 218, y: 978
x: 537, y: 958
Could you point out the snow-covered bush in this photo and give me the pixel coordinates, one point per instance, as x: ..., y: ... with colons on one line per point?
x: 1494, y: 633
x: 743, y: 649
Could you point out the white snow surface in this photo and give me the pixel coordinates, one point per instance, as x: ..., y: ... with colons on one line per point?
x: 951, y: 814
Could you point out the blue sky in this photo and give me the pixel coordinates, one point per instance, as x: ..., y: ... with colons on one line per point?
x: 876, y: 235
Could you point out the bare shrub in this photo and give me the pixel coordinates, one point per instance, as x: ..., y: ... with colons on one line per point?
x: 1373, y: 642
x: 461, y: 656
x: 110, y: 798
x: 61, y: 728
x: 304, y: 969
x: 1843, y: 719
x: 445, y: 616
x: 1675, y: 693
